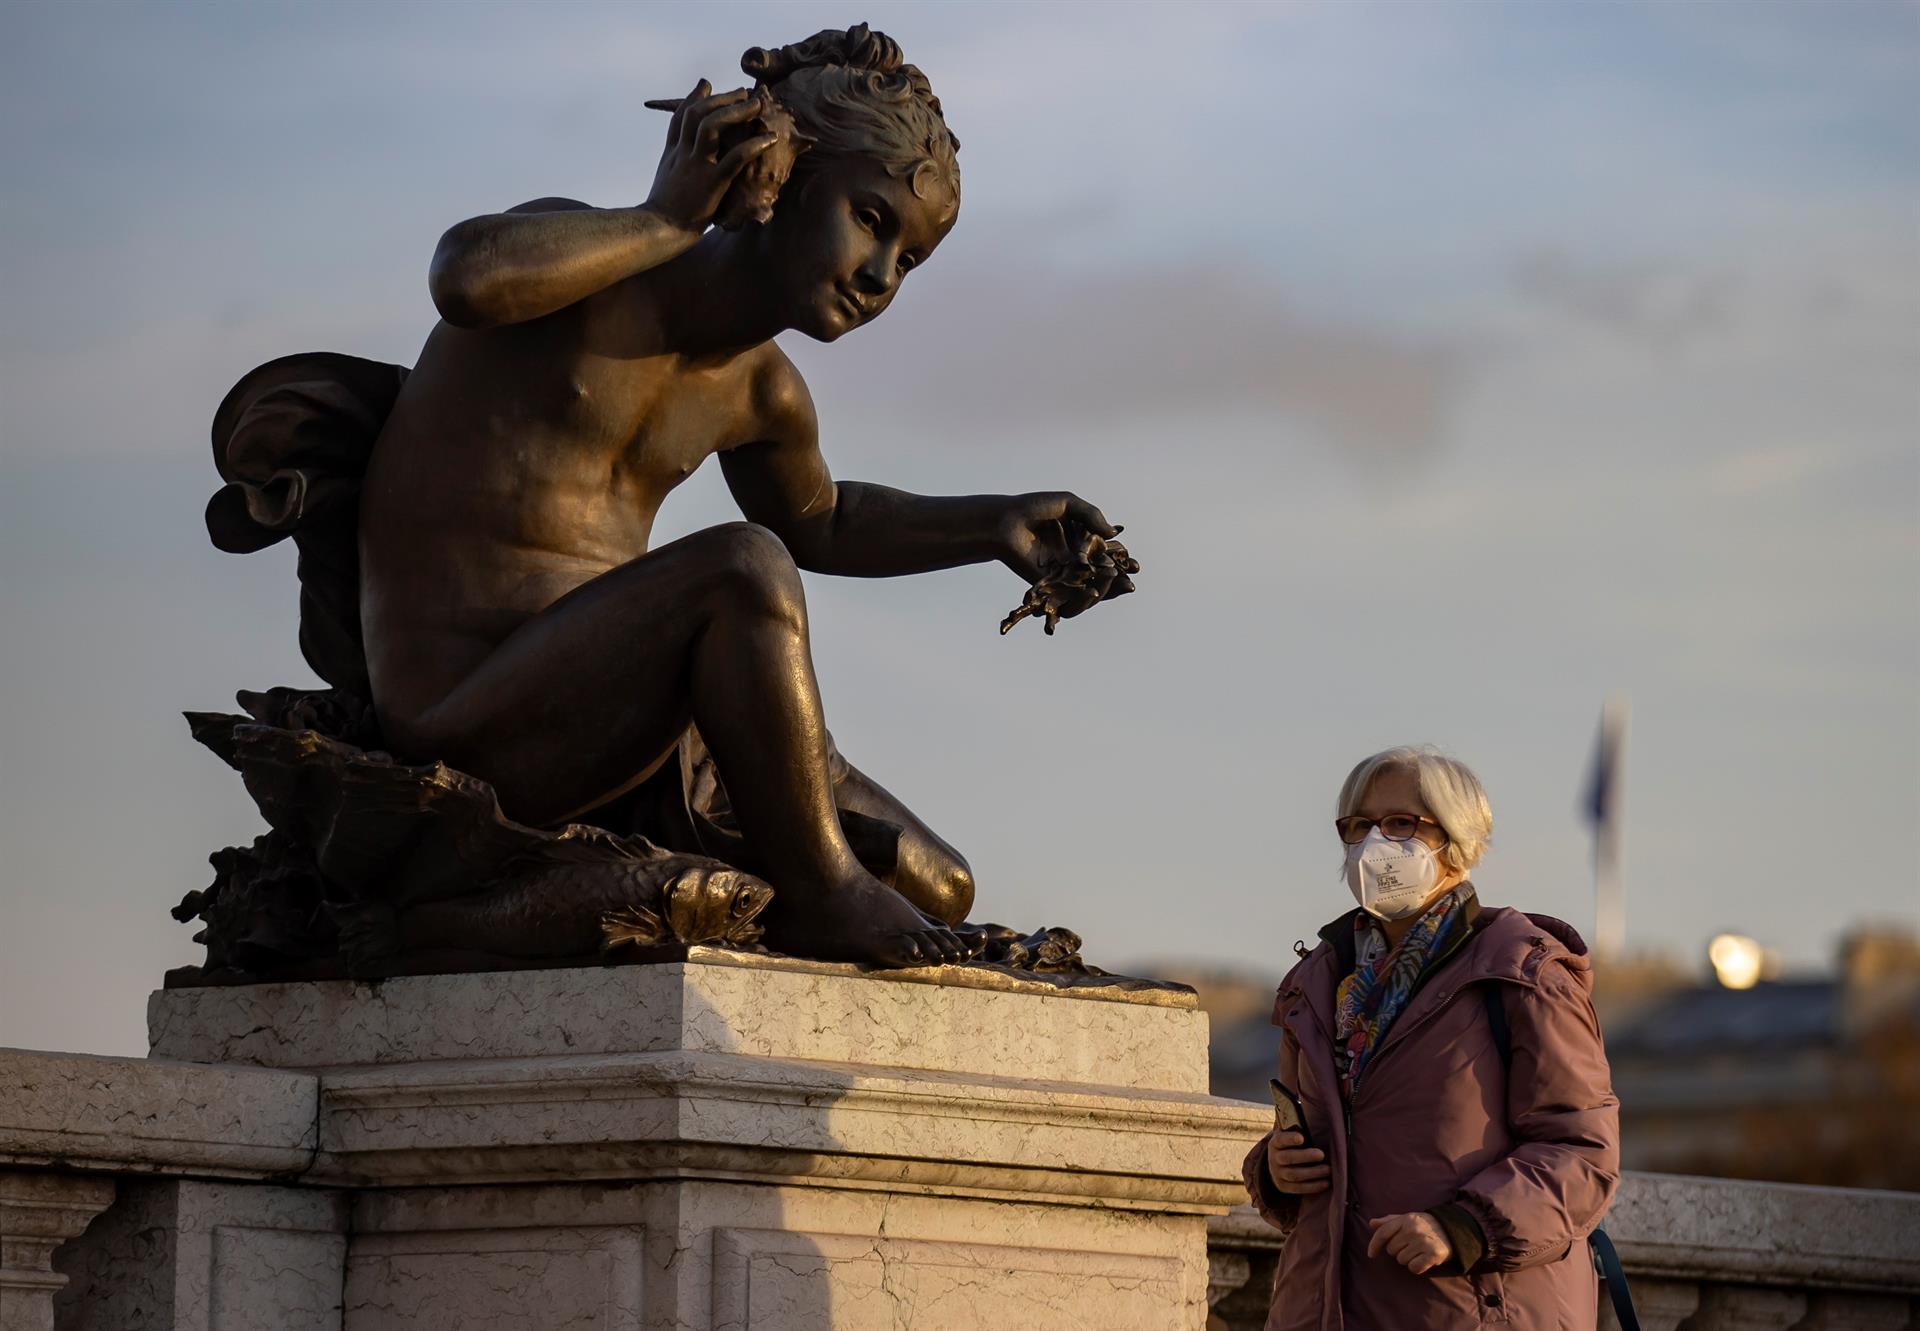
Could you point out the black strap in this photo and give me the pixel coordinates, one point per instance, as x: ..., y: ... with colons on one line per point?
x: 1604, y: 1255
x: 1608, y: 1260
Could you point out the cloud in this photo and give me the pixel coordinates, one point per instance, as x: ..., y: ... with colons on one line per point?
x: 1662, y: 304
x: 1097, y: 346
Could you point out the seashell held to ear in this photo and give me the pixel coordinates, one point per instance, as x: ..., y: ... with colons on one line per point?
x: 751, y: 195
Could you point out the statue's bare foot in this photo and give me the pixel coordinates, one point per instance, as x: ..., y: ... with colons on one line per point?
x: 972, y: 941
x: 861, y: 919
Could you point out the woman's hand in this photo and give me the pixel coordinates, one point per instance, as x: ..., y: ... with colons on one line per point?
x: 1064, y: 547
x: 693, y: 176
x: 1415, y: 1240
x: 1296, y: 1167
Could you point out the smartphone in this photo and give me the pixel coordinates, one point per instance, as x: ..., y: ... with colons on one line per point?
x: 1288, y: 1113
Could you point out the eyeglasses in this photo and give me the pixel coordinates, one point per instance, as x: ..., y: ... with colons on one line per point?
x: 1394, y: 827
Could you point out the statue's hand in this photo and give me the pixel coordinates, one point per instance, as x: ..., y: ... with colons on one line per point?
x: 1041, y: 532
x: 693, y: 174
x: 1064, y: 547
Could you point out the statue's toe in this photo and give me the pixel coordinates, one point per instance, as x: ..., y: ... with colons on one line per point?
x: 901, y: 950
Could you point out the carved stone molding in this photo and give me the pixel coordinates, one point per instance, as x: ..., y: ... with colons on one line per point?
x: 1226, y: 1272
x: 38, y: 1212
x: 1662, y: 1305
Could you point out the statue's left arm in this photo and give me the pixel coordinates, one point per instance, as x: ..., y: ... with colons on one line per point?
x: 862, y: 530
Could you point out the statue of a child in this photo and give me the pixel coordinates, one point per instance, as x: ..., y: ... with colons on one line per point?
x: 513, y: 620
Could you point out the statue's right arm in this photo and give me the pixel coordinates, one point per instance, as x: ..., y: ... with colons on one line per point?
x: 506, y: 268
x: 543, y: 256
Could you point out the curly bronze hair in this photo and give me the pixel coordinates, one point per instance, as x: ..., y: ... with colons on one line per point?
x: 854, y: 95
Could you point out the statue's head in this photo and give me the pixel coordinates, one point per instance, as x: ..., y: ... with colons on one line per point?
x: 875, y: 193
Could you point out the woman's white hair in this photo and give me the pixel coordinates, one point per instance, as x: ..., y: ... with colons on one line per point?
x: 1448, y: 787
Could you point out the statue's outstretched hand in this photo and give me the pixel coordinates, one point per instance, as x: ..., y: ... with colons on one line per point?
x: 1065, y: 548
x: 693, y: 174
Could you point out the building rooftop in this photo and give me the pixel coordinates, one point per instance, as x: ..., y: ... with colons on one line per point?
x: 1783, y: 1015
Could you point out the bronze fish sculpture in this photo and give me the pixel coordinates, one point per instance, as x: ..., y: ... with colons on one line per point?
x: 595, y: 893
x: 378, y: 863
x: 701, y: 906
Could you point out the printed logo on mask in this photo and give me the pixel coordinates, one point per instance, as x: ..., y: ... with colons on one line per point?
x: 1391, y: 879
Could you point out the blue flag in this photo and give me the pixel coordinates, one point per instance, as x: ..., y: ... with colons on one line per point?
x: 1602, y: 797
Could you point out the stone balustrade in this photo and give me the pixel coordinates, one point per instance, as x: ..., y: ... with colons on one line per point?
x: 827, y: 1149
x: 722, y: 1142
x: 1701, y: 1255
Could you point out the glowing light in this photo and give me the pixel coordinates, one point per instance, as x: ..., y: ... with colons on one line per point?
x: 1737, y: 960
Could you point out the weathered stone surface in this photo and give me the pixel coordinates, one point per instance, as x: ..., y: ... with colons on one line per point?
x: 38, y: 1212
x: 1709, y: 1255
x: 134, y: 1114
x: 944, y: 1019
x: 1735, y: 1308
x: 713, y: 1144
x: 680, y: 1165
x: 628, y: 1116
x: 492, y: 1264
x: 1837, y: 1311
x: 1775, y: 1233
x: 186, y: 1255
x: 708, y: 1254
x: 782, y: 1071
x: 1661, y: 1305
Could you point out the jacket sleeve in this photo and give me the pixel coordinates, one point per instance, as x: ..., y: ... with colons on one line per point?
x: 1553, y: 1187
x: 1277, y: 1208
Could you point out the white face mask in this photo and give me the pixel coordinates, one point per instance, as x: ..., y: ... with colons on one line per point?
x: 1391, y: 879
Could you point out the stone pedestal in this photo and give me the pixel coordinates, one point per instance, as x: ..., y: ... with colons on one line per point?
x: 738, y: 1143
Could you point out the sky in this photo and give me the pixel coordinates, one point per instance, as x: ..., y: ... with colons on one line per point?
x: 1453, y: 366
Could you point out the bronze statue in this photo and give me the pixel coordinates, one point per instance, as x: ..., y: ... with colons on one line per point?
x: 477, y: 582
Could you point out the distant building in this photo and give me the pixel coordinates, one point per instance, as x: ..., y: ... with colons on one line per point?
x: 1797, y: 1081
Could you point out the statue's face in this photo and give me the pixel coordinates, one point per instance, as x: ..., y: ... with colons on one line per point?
x: 841, y: 244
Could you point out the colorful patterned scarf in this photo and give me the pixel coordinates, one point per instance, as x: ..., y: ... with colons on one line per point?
x: 1368, y: 1001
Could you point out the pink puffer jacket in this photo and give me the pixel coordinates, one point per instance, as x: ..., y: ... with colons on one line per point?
x: 1528, y: 1150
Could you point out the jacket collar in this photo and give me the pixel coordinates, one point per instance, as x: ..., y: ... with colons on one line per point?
x: 1320, y: 973
x: 1338, y: 934
x: 1499, y: 943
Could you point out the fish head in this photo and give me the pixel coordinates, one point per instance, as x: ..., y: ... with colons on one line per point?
x: 716, y: 905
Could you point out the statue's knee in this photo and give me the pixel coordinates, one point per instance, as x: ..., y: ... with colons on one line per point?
x: 755, y: 568
x: 957, y: 893
x: 944, y: 887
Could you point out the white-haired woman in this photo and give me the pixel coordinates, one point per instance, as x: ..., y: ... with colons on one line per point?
x: 1461, y: 1137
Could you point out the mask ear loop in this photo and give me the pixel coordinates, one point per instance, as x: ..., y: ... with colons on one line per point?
x: 1366, y: 883
x: 1353, y: 873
